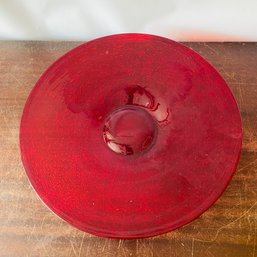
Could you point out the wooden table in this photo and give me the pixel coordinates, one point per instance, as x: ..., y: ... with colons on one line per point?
x: 28, y: 228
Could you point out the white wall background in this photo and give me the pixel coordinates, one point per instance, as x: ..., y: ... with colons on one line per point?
x: 193, y: 20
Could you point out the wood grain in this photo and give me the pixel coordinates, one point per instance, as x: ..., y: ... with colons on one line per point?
x: 28, y: 228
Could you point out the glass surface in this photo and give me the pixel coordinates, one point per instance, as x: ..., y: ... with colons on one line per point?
x: 129, y: 130
x: 160, y: 98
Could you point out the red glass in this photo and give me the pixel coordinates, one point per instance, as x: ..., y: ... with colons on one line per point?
x: 130, y: 136
x: 129, y: 130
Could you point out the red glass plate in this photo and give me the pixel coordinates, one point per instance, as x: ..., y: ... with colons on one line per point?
x: 130, y: 136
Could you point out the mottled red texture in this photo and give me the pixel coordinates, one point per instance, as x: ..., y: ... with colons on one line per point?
x: 193, y: 154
